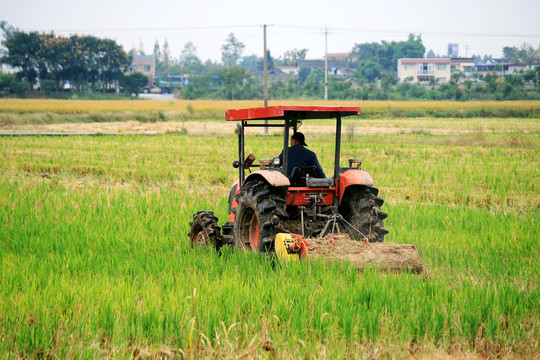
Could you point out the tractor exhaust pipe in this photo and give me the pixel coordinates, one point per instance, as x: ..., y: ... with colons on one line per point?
x: 241, y: 169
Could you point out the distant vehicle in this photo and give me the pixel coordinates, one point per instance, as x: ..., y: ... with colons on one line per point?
x: 166, y: 84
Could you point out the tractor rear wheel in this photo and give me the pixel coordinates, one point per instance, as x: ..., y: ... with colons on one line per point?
x: 362, y: 209
x: 205, y: 231
x: 259, y: 216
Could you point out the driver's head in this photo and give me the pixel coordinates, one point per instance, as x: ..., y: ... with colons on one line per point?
x: 298, y: 138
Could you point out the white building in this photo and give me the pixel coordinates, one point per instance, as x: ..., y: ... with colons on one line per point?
x: 421, y: 70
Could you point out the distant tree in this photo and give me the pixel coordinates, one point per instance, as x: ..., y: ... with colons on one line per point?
x: 430, y: 54
x: 5, y: 82
x: 412, y: 48
x: 199, y: 87
x: 339, y: 90
x: 81, y: 59
x: 370, y: 70
x: 291, y: 57
x: 189, y: 53
x: 47, y: 86
x: 432, y: 82
x: 270, y: 62
x: 7, y: 32
x: 385, y: 54
x: 10, y: 84
x: 529, y: 55
x: 232, y: 78
x: 303, y: 74
x: 57, y: 52
x: 112, y: 61
x: 166, y: 54
x: 44, y: 56
x: 250, y: 62
x: 387, y: 80
x: 314, y: 85
x: 85, y: 60
x: 249, y: 89
x: 24, y: 52
x: 141, y: 48
x: 357, y: 76
x: 231, y: 51
x: 363, y: 52
x: 526, y: 54
x: 456, y: 76
x: 189, y: 61
x: 513, y: 87
x: 491, y: 83
x: 532, y: 76
x: 157, y: 54
x: 277, y: 90
x: 81, y: 67
x: 511, y: 53
x: 514, y: 80
x: 134, y: 83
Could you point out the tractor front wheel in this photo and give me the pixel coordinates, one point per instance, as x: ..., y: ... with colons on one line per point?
x: 258, y: 216
x: 205, y: 231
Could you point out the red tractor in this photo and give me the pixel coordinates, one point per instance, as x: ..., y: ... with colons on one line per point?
x: 302, y: 215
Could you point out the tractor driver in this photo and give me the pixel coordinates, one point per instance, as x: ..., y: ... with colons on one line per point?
x: 300, y: 156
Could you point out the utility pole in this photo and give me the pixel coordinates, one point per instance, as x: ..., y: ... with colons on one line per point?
x: 326, y: 64
x: 265, y: 78
x: 265, y: 69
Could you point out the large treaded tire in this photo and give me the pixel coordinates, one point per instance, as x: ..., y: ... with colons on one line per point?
x: 362, y: 209
x: 259, y: 216
x: 205, y: 231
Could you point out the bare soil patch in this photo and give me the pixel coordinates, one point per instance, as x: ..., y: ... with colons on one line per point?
x: 386, y: 256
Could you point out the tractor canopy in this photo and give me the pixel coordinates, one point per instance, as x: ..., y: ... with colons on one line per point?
x: 292, y: 112
x: 291, y: 115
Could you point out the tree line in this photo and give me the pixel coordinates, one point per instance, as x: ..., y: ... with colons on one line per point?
x: 373, y: 78
x: 90, y: 64
x: 50, y: 62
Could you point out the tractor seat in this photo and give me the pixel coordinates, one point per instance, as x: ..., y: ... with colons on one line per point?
x: 300, y: 173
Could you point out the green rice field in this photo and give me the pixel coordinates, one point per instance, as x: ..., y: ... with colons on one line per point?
x: 95, y: 261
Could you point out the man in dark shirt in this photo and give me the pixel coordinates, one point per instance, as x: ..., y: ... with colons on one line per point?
x: 300, y: 156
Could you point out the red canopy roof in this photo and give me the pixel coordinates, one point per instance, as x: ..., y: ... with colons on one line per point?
x: 292, y: 111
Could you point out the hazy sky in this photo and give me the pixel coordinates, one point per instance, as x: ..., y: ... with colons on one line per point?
x: 478, y: 26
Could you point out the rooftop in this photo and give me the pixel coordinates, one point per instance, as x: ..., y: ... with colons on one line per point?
x: 423, y: 60
x: 291, y: 111
x: 338, y: 55
x: 143, y: 58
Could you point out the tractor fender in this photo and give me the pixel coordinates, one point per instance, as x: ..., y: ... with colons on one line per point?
x: 232, y: 201
x: 235, y: 189
x: 272, y: 177
x: 353, y: 177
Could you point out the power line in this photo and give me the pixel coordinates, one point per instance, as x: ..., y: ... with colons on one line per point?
x: 343, y: 30
x: 161, y: 29
x: 417, y: 31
